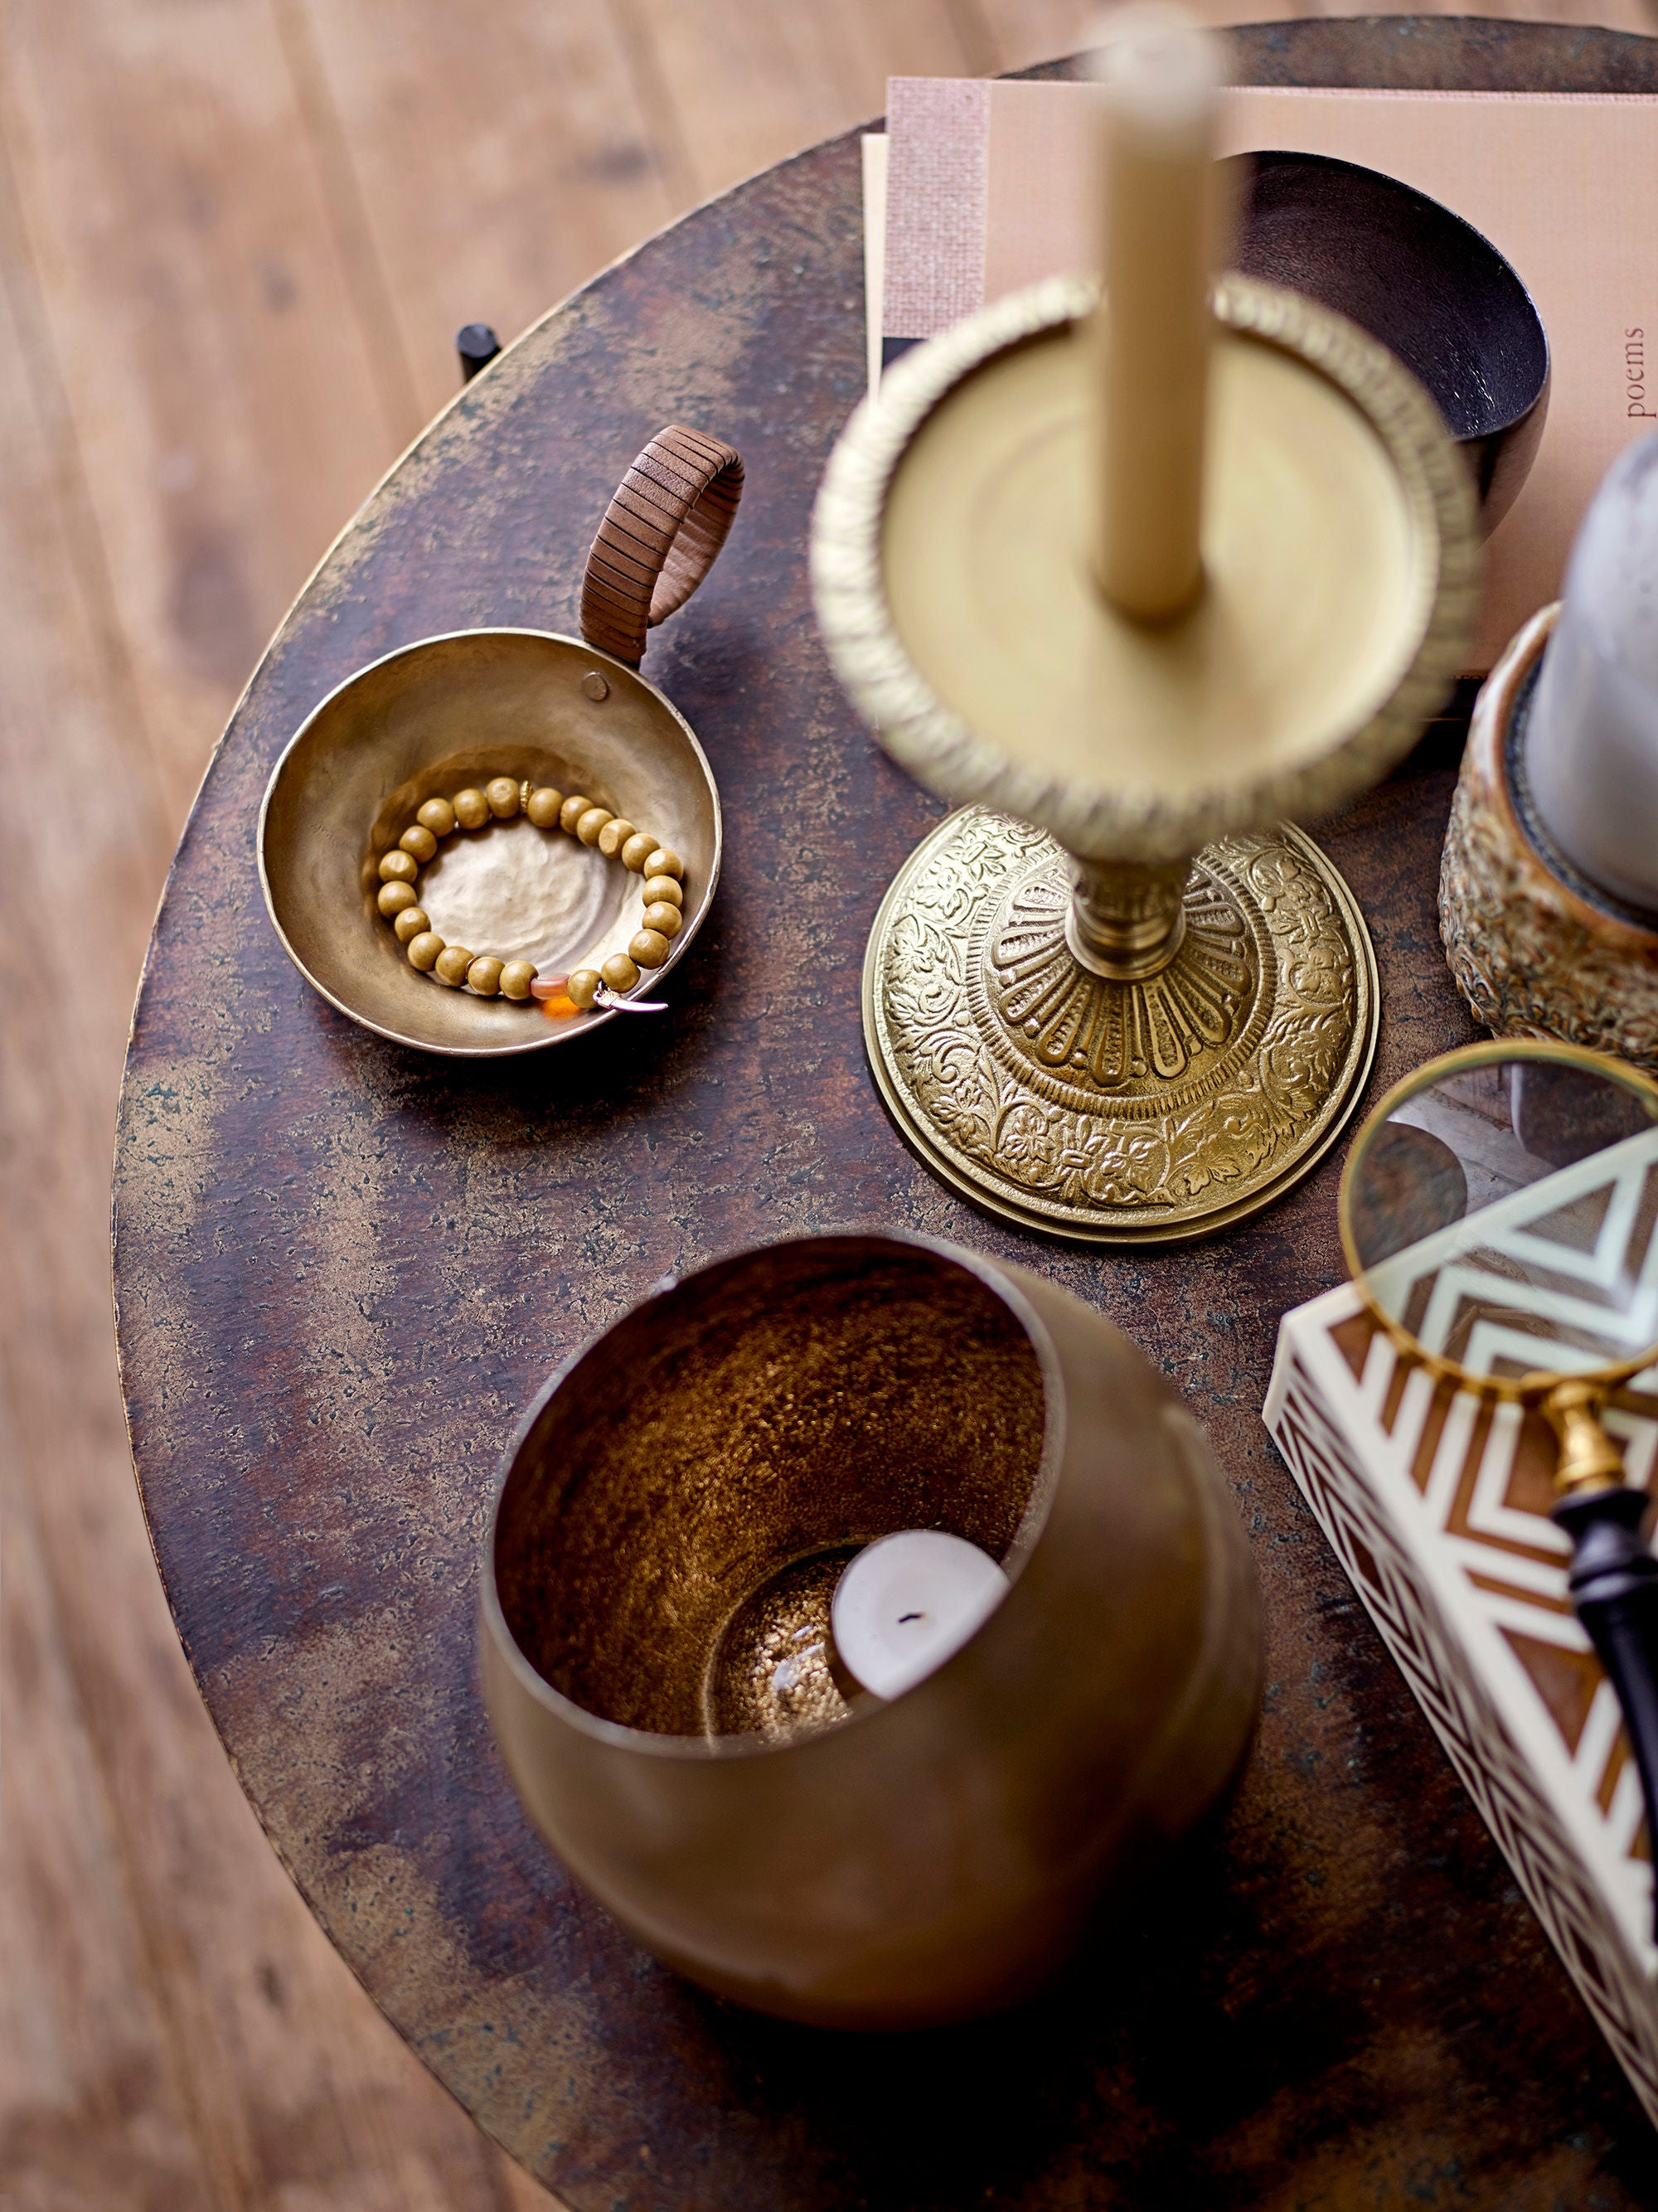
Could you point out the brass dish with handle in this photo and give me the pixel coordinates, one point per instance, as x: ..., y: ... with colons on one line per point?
x: 435, y: 716
x: 1499, y: 1217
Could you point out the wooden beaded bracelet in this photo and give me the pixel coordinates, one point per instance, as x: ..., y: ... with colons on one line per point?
x: 499, y: 801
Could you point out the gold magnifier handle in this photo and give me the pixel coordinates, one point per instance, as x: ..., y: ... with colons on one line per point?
x: 1590, y: 1460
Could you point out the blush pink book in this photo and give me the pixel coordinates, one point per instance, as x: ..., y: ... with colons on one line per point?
x: 988, y: 187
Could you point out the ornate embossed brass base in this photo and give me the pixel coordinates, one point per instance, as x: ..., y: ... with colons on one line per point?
x: 1122, y: 1112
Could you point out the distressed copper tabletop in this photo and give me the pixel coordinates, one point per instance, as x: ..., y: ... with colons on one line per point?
x: 341, y: 1269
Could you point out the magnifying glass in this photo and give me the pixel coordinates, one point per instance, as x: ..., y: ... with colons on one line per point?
x: 1499, y: 1215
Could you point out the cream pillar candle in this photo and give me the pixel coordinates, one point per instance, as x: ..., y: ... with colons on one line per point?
x: 1160, y: 81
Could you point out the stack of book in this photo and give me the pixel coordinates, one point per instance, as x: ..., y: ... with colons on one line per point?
x: 980, y: 188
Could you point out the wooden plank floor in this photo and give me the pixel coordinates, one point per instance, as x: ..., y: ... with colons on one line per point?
x: 236, y: 243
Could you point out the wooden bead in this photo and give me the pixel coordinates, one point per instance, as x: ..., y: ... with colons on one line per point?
x: 393, y: 897
x: 583, y: 986
x: 615, y: 834
x: 619, y: 972
x: 419, y: 840
x: 572, y: 811
x: 516, y: 978
x: 502, y: 794
x: 483, y: 976
x: 592, y: 823
x: 398, y: 868
x: 649, y: 947
x: 437, y: 815
x: 410, y: 923
x: 472, y: 808
x: 663, y: 887
x: 451, y: 965
x: 637, y: 850
x: 543, y: 806
x: 423, y: 950
x: 665, y: 861
x: 663, y: 918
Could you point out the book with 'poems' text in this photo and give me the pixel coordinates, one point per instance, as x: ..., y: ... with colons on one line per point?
x: 982, y: 187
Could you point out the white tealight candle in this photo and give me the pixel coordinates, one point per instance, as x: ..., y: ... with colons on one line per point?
x: 906, y: 1602
x: 1591, y: 739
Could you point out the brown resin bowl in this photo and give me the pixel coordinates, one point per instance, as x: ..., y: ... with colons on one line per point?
x: 657, y: 1653
x: 1424, y: 283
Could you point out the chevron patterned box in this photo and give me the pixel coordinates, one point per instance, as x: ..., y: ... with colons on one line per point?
x: 1438, y: 1507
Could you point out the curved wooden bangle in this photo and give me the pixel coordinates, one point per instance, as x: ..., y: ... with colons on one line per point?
x: 671, y: 515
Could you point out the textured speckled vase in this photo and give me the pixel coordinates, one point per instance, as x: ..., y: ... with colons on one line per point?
x: 1536, y: 948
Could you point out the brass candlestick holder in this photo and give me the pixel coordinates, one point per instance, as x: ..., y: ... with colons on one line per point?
x: 1118, y: 995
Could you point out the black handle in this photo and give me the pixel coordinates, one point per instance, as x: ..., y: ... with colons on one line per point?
x: 477, y: 346
x: 1614, y: 1593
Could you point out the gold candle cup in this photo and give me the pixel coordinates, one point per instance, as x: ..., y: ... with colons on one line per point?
x: 655, y: 1627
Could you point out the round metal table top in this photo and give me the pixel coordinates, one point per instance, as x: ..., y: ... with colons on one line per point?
x: 341, y: 1269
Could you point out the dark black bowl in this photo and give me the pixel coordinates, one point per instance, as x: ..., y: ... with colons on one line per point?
x: 1437, y: 294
